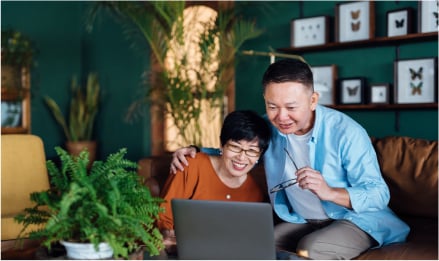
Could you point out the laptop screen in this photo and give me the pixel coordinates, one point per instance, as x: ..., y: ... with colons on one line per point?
x: 223, y: 229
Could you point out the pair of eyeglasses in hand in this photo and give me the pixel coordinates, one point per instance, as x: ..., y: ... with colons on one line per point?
x: 286, y: 183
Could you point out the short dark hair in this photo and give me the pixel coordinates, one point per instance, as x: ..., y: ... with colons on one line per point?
x: 288, y: 70
x: 245, y: 125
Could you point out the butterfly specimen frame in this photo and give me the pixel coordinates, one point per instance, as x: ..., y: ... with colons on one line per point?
x: 416, y: 81
x: 379, y: 93
x: 399, y: 22
x: 355, y: 21
x: 310, y: 31
x: 324, y: 83
x: 428, y: 16
x: 351, y: 90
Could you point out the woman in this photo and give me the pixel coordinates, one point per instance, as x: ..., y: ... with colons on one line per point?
x: 244, y: 139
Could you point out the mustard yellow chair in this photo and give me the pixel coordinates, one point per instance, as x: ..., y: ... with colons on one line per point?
x: 23, y: 172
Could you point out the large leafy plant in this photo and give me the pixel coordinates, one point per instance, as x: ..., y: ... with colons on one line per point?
x: 179, y: 88
x: 108, y: 203
x: 84, y: 105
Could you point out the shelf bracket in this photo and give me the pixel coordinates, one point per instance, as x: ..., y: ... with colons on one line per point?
x: 397, y: 118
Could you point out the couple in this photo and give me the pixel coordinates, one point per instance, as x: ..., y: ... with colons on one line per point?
x: 321, y: 170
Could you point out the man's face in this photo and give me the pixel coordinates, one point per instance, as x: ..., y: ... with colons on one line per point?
x: 290, y: 107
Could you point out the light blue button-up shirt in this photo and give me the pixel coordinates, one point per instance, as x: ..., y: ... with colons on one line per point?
x: 341, y: 150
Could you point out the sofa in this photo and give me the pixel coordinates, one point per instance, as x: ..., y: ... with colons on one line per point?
x: 410, y: 169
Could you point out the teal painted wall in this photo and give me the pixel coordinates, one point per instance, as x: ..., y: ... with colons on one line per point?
x: 65, y: 48
x: 376, y: 64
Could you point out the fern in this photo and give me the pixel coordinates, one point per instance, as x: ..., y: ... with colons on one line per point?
x: 108, y: 203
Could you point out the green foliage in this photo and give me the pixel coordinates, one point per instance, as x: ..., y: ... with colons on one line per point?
x: 181, y: 87
x: 83, y: 110
x: 17, y: 49
x: 108, y: 203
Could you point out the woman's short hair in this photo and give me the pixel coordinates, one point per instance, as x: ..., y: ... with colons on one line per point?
x: 245, y: 125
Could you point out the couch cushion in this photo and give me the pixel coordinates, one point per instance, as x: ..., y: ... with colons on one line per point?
x: 410, y: 168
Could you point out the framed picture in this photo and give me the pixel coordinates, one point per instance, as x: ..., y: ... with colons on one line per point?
x: 15, y: 102
x: 380, y: 93
x: 324, y: 83
x: 310, y: 31
x: 428, y: 16
x: 355, y: 21
x: 416, y: 81
x: 399, y: 22
x: 351, y: 90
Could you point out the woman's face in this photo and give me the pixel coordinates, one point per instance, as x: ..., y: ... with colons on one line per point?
x: 290, y: 107
x: 239, y: 157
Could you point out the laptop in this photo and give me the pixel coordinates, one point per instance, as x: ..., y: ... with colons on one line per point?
x: 223, y: 230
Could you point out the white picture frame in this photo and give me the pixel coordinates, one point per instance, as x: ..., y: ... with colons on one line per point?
x: 325, y: 78
x: 355, y: 21
x: 380, y: 93
x: 309, y: 31
x: 415, y: 81
x: 399, y: 22
x: 428, y: 16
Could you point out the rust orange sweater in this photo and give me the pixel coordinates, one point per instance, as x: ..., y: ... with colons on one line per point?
x: 199, y: 181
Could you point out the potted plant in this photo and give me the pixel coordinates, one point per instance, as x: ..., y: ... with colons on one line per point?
x: 179, y: 88
x: 16, y: 58
x: 105, y: 204
x: 84, y: 105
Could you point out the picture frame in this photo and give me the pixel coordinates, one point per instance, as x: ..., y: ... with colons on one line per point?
x: 325, y: 78
x: 355, y: 21
x: 415, y: 80
x: 310, y: 31
x: 16, y: 104
x: 399, y: 22
x: 380, y: 93
x: 428, y: 16
x: 351, y: 90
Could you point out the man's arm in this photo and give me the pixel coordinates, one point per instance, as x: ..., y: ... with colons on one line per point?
x: 179, y: 156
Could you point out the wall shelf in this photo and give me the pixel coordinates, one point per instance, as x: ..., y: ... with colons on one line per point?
x: 417, y: 106
x: 375, y: 42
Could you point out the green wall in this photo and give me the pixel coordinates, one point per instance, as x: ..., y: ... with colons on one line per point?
x: 374, y: 63
x: 65, y: 48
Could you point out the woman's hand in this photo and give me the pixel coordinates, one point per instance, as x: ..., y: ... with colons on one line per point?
x: 169, y: 241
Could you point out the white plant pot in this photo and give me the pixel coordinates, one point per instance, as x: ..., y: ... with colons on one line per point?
x: 87, y: 250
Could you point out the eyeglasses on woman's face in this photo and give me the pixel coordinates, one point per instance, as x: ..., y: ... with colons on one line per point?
x: 237, y: 149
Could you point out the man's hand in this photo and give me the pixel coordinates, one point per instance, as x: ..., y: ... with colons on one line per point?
x: 179, y: 158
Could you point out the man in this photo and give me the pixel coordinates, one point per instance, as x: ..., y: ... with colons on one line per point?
x: 322, y: 171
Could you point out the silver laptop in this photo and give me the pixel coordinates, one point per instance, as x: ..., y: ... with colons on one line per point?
x: 223, y: 229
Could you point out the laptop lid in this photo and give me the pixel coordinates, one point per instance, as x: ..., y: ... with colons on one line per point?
x: 223, y: 229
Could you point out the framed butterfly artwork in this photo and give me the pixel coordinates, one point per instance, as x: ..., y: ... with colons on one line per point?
x: 399, y: 22
x: 352, y: 90
x: 325, y: 78
x: 355, y: 21
x: 379, y: 93
x: 428, y: 16
x: 310, y: 31
x: 416, y: 81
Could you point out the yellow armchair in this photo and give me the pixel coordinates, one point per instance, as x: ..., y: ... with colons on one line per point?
x: 24, y: 171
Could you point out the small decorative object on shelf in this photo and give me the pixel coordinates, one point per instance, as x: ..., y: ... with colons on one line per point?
x: 310, y: 31
x: 399, y: 22
x: 352, y: 90
x: 355, y: 21
x: 380, y: 93
x: 416, y: 81
x: 428, y: 16
x: 324, y: 83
